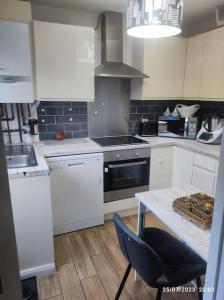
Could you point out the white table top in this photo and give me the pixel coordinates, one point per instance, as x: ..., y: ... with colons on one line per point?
x: 159, y: 202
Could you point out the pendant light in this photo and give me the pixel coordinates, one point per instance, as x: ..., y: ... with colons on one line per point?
x: 154, y: 18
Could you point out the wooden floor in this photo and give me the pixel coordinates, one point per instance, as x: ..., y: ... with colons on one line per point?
x: 90, y: 266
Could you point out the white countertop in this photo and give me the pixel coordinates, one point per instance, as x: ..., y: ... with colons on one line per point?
x: 86, y: 145
x: 80, y: 146
x: 193, y: 145
x: 40, y: 170
x: 159, y: 202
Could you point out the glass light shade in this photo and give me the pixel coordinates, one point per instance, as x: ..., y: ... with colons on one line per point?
x: 154, y: 18
x: 153, y: 31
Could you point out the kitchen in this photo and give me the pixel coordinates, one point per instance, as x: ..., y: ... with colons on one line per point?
x: 92, y: 116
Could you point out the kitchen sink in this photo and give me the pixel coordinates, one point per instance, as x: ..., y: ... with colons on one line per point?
x: 20, y: 156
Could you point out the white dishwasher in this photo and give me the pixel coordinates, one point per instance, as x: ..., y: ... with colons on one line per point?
x: 76, y: 191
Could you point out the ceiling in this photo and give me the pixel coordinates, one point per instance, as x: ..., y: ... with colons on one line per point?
x: 201, y: 12
x: 86, y: 5
x: 192, y: 8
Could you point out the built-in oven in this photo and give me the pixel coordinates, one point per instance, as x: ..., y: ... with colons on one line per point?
x: 126, y: 172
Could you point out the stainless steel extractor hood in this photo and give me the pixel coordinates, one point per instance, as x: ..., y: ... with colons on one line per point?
x: 112, y: 50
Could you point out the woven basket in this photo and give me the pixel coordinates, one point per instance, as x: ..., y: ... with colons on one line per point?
x: 197, y: 208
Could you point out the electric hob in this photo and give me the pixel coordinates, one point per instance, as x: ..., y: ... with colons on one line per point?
x: 118, y: 140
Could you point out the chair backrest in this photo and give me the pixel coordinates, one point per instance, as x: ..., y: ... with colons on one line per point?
x: 142, y: 257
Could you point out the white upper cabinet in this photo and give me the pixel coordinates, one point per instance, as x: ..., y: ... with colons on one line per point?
x: 64, y: 61
x: 212, y: 80
x: 193, y: 68
x: 163, y: 60
x: 18, y: 11
x: 204, y: 71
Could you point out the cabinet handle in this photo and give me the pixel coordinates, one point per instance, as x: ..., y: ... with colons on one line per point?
x: 127, y: 165
x: 76, y: 164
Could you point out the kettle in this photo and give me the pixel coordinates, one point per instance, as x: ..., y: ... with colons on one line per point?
x: 212, y: 124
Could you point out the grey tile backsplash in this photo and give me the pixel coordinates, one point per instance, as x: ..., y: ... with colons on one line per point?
x: 153, y: 109
x: 72, y: 117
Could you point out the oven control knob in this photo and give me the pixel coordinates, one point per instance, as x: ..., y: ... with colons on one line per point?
x: 137, y: 154
x: 118, y: 155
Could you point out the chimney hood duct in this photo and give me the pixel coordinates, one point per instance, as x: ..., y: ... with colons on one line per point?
x: 112, y: 50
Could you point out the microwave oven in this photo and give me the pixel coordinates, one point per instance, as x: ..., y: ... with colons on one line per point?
x: 185, y: 128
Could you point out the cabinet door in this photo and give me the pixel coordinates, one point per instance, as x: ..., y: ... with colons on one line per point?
x: 182, y: 167
x: 15, y: 52
x: 204, y: 180
x: 213, y: 65
x: 161, y: 168
x: 64, y: 61
x: 164, y: 62
x: 32, y: 213
x: 193, y: 68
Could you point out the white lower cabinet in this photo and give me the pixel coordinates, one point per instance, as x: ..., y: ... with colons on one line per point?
x: 194, y: 169
x: 182, y: 166
x: 161, y: 168
x: 77, y: 191
x: 204, y: 180
x: 32, y: 213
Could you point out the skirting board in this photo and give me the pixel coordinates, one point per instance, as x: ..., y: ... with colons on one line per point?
x: 120, y: 205
x: 122, y: 213
x: 38, y: 271
x: 60, y: 229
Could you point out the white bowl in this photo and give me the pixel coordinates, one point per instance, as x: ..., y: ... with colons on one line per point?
x: 187, y: 111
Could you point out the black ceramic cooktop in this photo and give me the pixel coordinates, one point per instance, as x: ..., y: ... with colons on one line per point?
x: 118, y: 140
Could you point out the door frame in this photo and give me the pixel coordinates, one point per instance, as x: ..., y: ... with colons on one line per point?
x: 215, y: 266
x: 9, y: 268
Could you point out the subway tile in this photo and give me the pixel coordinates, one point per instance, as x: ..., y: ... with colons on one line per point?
x: 72, y: 127
x: 150, y: 117
x: 41, y: 110
x: 63, y: 103
x: 47, y: 136
x: 84, y: 126
x: 142, y: 109
x: 46, y: 119
x: 51, y: 111
x: 83, y: 110
x: 79, y: 103
x: 42, y: 128
x: 71, y: 119
x: 68, y: 135
x: 81, y: 134
x: 133, y: 109
x: 71, y: 110
x: 55, y: 128
x: 64, y: 119
x: 136, y: 102
x: 47, y: 103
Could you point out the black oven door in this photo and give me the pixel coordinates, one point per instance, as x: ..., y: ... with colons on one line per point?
x: 125, y: 175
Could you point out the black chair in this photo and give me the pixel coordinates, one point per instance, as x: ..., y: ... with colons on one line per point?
x: 160, y: 259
